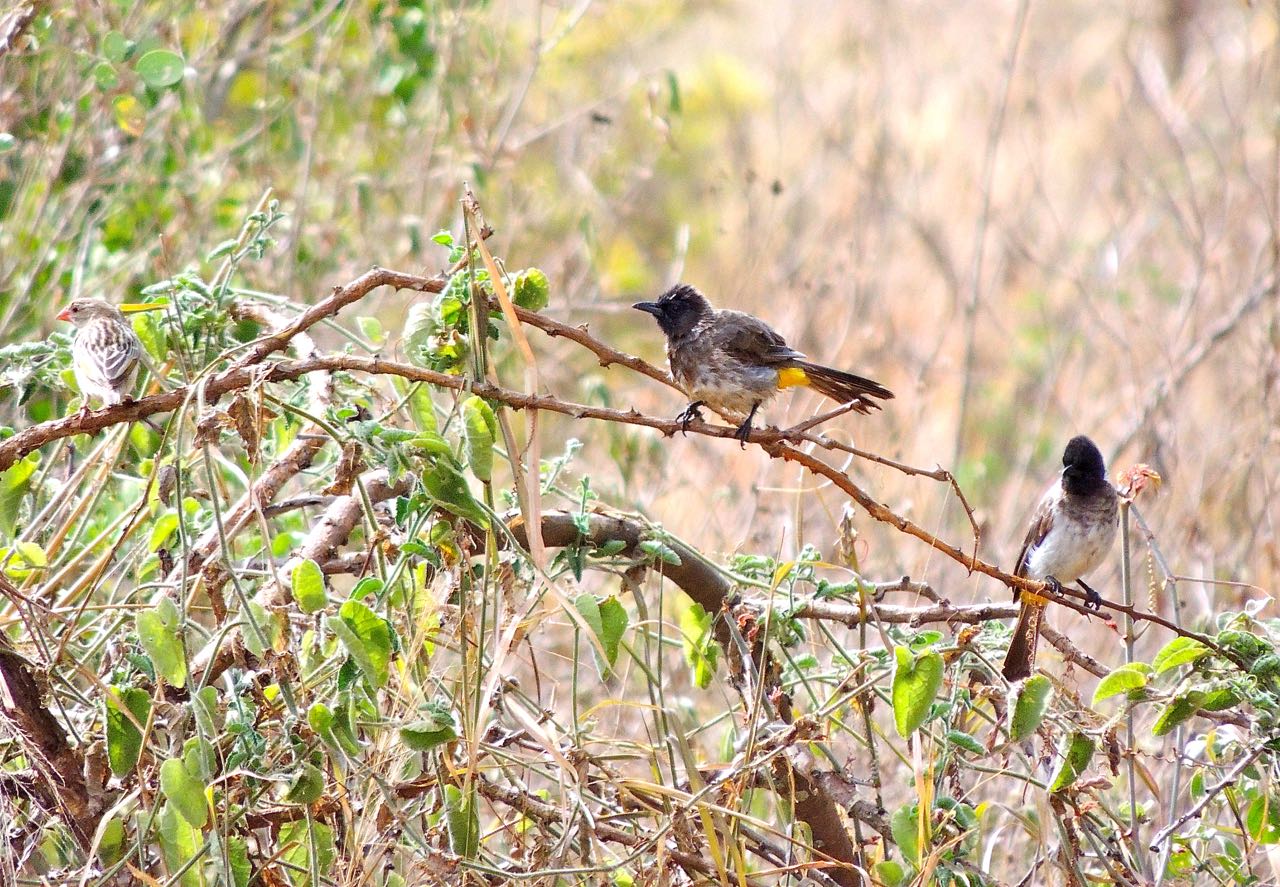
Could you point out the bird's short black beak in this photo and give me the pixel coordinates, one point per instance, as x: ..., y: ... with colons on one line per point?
x: 648, y: 308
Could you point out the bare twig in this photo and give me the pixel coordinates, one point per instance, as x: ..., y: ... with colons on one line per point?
x: 1210, y: 793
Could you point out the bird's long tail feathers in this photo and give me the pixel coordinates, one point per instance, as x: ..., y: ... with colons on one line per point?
x: 845, y: 387
x: 1021, y: 657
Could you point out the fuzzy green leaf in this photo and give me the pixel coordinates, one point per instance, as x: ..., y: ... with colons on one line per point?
x: 963, y: 740
x: 1076, y: 752
x: 184, y: 792
x: 1179, y: 651
x: 905, y: 826
x: 1173, y: 714
x: 1029, y: 709
x: 916, y: 681
x: 160, y: 68
x: 307, y: 582
x: 180, y: 841
x: 367, y: 638
x: 1122, y: 680
x: 462, y: 821
x: 124, y: 738
x: 532, y: 290
x: 163, y: 643
x: 480, y: 428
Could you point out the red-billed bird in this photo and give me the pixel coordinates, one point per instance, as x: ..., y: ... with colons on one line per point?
x: 105, y: 353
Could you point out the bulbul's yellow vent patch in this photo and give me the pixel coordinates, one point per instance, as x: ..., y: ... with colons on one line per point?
x: 791, y: 377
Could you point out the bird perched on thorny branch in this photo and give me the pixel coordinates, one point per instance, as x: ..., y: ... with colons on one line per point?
x: 1071, y: 533
x: 733, y: 362
x: 105, y: 353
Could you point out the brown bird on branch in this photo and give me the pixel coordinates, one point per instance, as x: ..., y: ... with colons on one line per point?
x: 733, y: 362
x: 106, y: 351
x: 1071, y: 533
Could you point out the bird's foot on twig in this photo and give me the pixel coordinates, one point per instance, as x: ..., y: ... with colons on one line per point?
x: 1092, y: 600
x: 691, y: 412
x: 743, y: 431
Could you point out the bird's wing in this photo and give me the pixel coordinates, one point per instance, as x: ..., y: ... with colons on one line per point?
x: 752, y: 340
x: 112, y: 350
x: 1041, y: 524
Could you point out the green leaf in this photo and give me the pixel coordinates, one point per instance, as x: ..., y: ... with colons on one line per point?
x: 184, y: 791
x: 889, y: 873
x: 371, y: 329
x: 111, y: 848
x: 149, y: 328
x: 204, y: 707
x: 480, y: 428
x: 225, y: 248
x: 33, y: 554
x: 105, y: 77
x: 115, y: 46
x: 462, y: 821
x: 446, y: 485
x: 296, y: 842
x: 1122, y: 680
x: 161, y: 530
x: 1030, y: 706
x: 532, y: 291
x: 614, y: 621
x: 657, y: 550
x: 124, y: 738
x: 963, y: 740
x: 236, y: 852
x: 421, y: 409
x: 306, y: 787
x: 160, y: 68
x: 437, y: 728
x: 1263, y: 819
x: 1219, y: 699
x: 200, y: 758
x: 14, y: 483
x: 419, y: 327
x: 608, y: 620
x: 1176, y: 712
x: 1076, y: 752
x: 307, y: 581
x: 180, y: 842
x: 163, y: 644
x: 905, y: 826
x: 701, y: 651
x: 366, y: 587
x: 1179, y: 651
x: 916, y: 681
x: 367, y: 638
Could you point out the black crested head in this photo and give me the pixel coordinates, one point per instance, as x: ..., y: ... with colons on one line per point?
x: 677, y: 310
x: 1082, y: 467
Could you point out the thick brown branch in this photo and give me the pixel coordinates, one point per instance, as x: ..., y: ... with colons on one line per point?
x: 62, y: 772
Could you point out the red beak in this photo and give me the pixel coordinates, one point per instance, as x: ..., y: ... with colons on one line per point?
x: 65, y: 315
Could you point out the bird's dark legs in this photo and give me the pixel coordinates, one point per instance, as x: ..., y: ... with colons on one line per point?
x: 1054, y: 585
x: 1093, y: 600
x: 744, y: 430
x: 691, y: 412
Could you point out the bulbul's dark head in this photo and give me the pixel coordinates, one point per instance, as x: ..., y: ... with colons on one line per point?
x: 1082, y: 466
x: 677, y: 310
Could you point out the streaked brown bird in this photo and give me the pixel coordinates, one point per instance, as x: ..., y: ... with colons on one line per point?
x: 733, y: 362
x: 105, y: 352
x: 1071, y: 533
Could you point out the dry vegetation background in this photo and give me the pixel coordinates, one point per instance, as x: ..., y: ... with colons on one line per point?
x: 1029, y: 220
